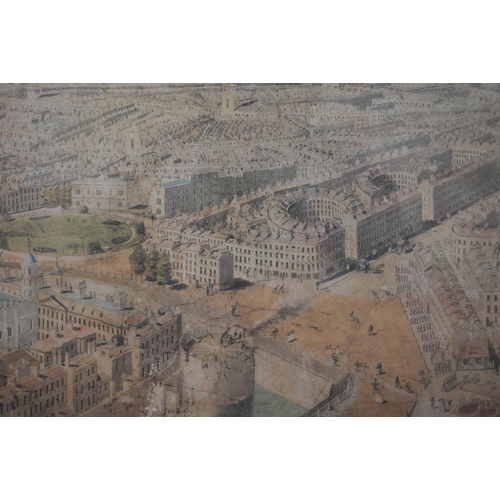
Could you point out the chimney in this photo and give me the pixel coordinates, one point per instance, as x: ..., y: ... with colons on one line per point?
x: 82, y: 289
x: 122, y: 300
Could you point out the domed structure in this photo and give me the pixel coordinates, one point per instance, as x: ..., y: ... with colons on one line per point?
x: 57, y: 270
x: 29, y: 259
x: 55, y: 279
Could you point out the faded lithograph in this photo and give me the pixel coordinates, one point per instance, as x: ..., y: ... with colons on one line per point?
x: 249, y: 250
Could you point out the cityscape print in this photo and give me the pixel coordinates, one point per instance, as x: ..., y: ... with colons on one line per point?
x: 249, y: 250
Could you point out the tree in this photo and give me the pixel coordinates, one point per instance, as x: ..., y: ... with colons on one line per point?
x: 84, y: 210
x: 151, y: 265
x: 140, y: 229
x: 95, y: 247
x: 164, y: 269
x: 57, y: 195
x: 137, y: 260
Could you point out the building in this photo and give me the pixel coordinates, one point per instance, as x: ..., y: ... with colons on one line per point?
x: 106, y: 193
x: 154, y: 343
x: 194, y: 263
x: 376, y: 229
x: 270, y: 239
x: 474, y: 244
x: 28, y: 390
x: 203, y: 190
x: 19, y: 313
x: 457, y: 188
x: 473, y: 356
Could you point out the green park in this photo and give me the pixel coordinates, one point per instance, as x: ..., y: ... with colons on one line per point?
x: 64, y: 234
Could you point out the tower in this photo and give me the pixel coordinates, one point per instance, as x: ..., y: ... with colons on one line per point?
x: 57, y: 279
x: 29, y: 271
x: 229, y: 99
x: 25, y: 329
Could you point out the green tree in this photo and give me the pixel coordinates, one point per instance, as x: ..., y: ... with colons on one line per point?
x: 151, y: 265
x: 137, y: 260
x: 65, y: 198
x: 57, y: 195
x: 95, y: 247
x: 140, y: 229
x: 164, y: 269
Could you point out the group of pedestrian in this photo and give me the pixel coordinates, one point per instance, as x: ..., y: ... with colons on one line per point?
x: 432, y: 346
x: 450, y: 382
x: 426, y: 336
x: 418, y: 319
x: 442, y: 367
x: 403, y: 269
x: 424, y: 327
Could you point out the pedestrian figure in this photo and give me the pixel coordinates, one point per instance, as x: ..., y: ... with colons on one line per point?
x: 398, y: 384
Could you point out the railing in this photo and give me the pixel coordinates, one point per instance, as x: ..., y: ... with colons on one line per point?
x: 346, y: 369
x: 329, y: 405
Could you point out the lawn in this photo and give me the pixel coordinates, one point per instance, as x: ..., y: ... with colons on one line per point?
x: 68, y: 235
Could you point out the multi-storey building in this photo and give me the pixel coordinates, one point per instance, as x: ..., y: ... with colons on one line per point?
x: 381, y: 226
x: 266, y: 241
x: 19, y: 312
x: 203, y: 190
x: 29, y: 390
x: 154, y: 344
x: 458, y: 188
x: 106, y: 193
x: 194, y: 263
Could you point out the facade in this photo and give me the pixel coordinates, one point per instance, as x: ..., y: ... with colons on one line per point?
x: 456, y: 189
x: 19, y: 313
x: 378, y: 228
x: 154, y: 344
x: 474, y: 243
x: 265, y: 240
x: 106, y: 193
x: 473, y: 357
x: 201, y: 191
x: 194, y: 263
x: 30, y: 390
x: 73, y: 371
